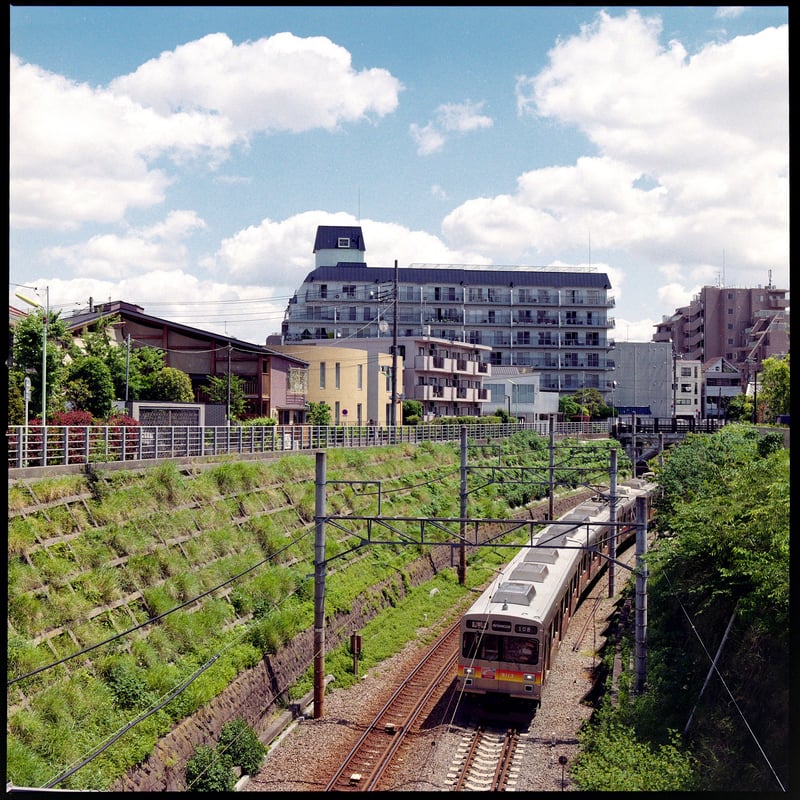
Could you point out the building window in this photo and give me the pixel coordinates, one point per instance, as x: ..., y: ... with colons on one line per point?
x: 321, y: 374
x: 344, y: 241
x: 359, y: 376
x: 337, y: 371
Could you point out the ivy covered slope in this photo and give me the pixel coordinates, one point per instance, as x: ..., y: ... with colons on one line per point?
x: 134, y: 598
x: 718, y: 588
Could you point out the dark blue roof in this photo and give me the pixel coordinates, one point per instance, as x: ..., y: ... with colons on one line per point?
x: 455, y: 276
x: 328, y: 237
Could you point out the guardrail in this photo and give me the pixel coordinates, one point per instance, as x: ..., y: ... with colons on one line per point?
x: 60, y: 445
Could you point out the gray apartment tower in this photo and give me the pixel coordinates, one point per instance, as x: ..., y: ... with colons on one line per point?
x: 554, y: 322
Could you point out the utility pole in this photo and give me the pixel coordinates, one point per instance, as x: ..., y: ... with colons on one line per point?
x: 462, y: 550
x: 612, y: 518
x: 319, y: 586
x: 641, y: 595
x: 674, y: 383
x: 229, y: 384
x: 127, y: 369
x: 394, y: 351
x: 552, y: 490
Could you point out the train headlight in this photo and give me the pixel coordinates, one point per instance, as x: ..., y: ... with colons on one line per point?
x: 469, y: 671
x: 529, y: 677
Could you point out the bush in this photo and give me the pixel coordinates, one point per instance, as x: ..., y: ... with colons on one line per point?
x: 239, y: 741
x: 208, y: 771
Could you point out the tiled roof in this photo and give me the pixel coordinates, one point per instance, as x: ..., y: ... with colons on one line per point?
x: 128, y: 311
x: 455, y: 276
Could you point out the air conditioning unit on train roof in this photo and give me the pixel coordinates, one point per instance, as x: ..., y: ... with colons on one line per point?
x: 519, y: 594
x: 541, y: 555
x: 530, y: 572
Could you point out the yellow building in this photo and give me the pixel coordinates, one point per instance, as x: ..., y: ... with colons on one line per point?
x: 355, y: 383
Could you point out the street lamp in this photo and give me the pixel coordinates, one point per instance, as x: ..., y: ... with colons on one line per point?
x: 509, y: 396
x: 44, y: 345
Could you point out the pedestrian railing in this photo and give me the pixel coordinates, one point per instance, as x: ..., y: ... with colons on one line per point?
x: 58, y: 445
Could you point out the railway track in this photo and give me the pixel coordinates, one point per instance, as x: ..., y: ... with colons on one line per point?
x: 486, y: 761
x: 367, y: 761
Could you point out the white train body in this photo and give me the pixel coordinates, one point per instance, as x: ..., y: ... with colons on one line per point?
x: 511, y: 634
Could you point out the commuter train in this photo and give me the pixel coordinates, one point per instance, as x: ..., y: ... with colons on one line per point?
x: 511, y: 633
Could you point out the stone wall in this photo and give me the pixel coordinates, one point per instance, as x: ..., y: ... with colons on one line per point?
x: 256, y: 694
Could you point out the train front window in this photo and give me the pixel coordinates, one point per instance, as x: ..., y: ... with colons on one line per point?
x: 520, y: 651
x: 490, y: 647
x: 481, y: 646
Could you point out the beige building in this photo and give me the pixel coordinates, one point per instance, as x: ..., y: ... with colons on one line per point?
x: 355, y: 383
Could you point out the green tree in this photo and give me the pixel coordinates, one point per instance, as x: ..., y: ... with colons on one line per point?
x: 319, y: 413
x: 569, y: 406
x: 27, y: 356
x: 218, y: 393
x: 146, y: 364
x: 591, y: 400
x: 16, y: 398
x: 171, y: 385
x: 740, y: 408
x: 88, y: 386
x: 723, y: 559
x: 412, y: 412
x: 774, y: 385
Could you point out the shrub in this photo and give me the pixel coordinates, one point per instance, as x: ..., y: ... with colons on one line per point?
x: 72, y: 418
x: 239, y: 741
x: 208, y: 771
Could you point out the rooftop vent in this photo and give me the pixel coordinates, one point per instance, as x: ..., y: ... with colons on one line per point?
x: 520, y: 594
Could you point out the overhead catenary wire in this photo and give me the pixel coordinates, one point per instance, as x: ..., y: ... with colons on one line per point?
x: 723, y: 682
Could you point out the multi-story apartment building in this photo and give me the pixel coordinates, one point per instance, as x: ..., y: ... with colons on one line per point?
x: 554, y: 322
x: 742, y: 326
x: 445, y: 376
x: 722, y: 382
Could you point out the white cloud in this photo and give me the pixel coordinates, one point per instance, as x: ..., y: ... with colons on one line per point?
x: 280, y: 254
x: 281, y: 83
x: 708, y: 132
x: 448, y: 118
x: 112, y: 256
x: 80, y: 154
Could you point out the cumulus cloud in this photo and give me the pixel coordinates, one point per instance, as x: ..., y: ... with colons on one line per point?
x: 448, y: 118
x: 82, y: 154
x: 112, y: 256
x: 281, y: 83
x: 279, y: 254
x: 679, y: 163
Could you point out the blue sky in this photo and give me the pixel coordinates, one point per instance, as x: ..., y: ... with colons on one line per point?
x: 181, y: 158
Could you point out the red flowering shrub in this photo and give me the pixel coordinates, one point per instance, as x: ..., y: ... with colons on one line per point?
x: 72, y: 418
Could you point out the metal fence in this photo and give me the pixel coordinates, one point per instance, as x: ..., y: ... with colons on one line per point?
x: 61, y: 445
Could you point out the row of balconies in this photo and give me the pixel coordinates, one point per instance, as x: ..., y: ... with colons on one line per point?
x: 450, y: 393
x: 462, y: 366
x: 337, y: 316
x: 370, y: 293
